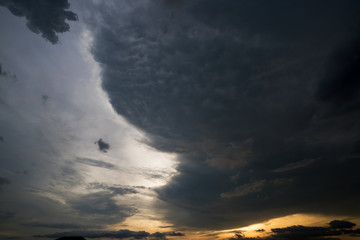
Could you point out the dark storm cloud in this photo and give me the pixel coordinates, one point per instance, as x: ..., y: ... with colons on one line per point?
x: 96, y: 163
x: 4, y: 181
x: 251, y: 97
x: 45, y: 17
x: 103, y: 146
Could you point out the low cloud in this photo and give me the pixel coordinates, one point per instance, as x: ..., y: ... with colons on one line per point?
x: 341, y: 224
x: 43, y: 17
x: 4, y: 181
x: 116, y: 190
x: 103, y: 146
x: 120, y: 234
x: 245, y: 189
x: 338, y: 228
x: 296, y: 165
x: 60, y: 225
x: 96, y: 163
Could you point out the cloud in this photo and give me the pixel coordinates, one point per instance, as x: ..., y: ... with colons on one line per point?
x: 4, y: 181
x: 245, y: 189
x: 59, y: 225
x: 308, y: 233
x: 101, y: 205
x: 96, y: 163
x: 103, y: 146
x: 341, y: 224
x: 296, y: 165
x: 237, y: 88
x: 47, y: 18
x: 120, y: 234
x: 114, y: 189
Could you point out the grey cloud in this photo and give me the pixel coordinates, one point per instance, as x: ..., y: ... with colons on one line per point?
x: 59, y: 225
x: 245, y: 189
x: 103, y: 146
x: 116, y: 190
x: 296, y: 165
x: 162, y: 235
x: 308, y: 233
x: 45, y: 17
x: 240, y: 88
x: 341, y: 224
x: 4, y: 181
x: 7, y: 73
x: 96, y: 163
x: 120, y: 234
x: 101, y: 206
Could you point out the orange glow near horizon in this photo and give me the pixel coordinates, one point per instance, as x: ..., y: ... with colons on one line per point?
x: 140, y: 223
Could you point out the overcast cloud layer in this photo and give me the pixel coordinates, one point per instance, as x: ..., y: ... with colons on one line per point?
x: 175, y: 119
x: 260, y: 99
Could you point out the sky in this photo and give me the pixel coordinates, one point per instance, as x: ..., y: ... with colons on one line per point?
x: 179, y: 119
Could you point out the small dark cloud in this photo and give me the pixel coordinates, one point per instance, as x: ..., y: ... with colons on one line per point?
x: 96, y: 163
x: 103, y: 146
x: 260, y: 230
x: 163, y: 235
x: 44, y: 98
x: 45, y: 17
x: 6, y: 73
x: 2, y: 139
x: 4, y: 181
x: 341, y: 224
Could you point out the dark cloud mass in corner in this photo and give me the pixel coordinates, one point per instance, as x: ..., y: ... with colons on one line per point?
x: 43, y: 17
x: 259, y: 99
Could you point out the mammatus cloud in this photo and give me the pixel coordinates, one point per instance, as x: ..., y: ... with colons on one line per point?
x: 103, y: 146
x: 338, y: 228
x: 43, y: 17
x: 245, y: 93
x: 120, y: 234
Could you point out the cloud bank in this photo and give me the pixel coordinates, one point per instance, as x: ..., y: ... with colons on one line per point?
x: 260, y: 103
